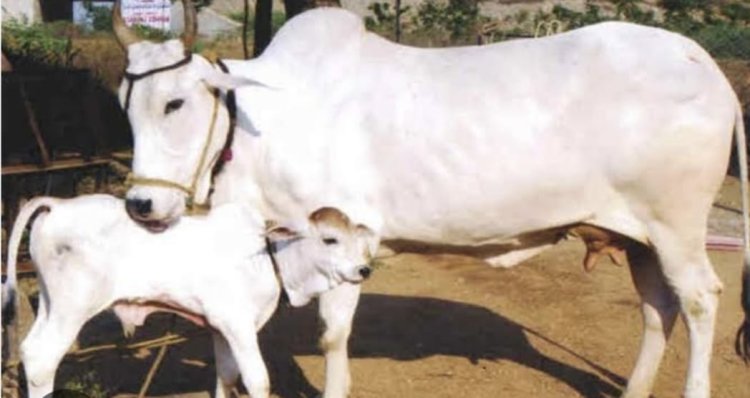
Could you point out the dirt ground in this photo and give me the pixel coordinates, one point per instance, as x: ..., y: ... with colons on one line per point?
x: 448, y: 326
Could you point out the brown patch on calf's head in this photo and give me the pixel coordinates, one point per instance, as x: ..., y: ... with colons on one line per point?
x: 330, y: 216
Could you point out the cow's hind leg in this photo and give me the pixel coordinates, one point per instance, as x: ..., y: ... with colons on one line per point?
x: 659, y: 308
x: 336, y: 308
x: 688, y: 271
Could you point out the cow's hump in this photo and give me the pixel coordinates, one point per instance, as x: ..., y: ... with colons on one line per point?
x: 315, y: 35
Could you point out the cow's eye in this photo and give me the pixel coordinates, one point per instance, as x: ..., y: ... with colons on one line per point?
x: 330, y: 241
x: 173, y: 105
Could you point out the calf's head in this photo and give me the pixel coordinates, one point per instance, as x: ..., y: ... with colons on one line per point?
x: 329, y: 251
x: 179, y: 122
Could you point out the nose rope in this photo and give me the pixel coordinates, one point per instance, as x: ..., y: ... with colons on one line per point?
x: 192, y: 206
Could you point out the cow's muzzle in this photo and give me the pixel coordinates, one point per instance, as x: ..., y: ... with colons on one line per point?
x: 140, y: 211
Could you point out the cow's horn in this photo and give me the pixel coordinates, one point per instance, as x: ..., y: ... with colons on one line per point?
x: 125, y: 35
x: 191, y: 24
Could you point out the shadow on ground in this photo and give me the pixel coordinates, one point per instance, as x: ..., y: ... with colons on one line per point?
x: 386, y: 326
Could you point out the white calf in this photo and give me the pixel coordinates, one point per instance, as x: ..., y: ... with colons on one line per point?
x: 214, y: 270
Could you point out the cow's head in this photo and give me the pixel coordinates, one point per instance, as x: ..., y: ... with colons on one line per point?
x: 179, y: 122
x: 326, y: 252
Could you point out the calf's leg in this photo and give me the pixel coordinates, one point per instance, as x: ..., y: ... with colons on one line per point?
x: 242, y: 339
x: 227, y: 371
x: 44, y: 347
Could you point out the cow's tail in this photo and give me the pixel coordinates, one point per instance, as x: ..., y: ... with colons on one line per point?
x: 742, y: 341
x: 9, y: 287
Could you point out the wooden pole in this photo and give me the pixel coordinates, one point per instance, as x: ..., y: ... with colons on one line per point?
x: 398, y: 21
x: 245, y: 28
x: 263, y: 16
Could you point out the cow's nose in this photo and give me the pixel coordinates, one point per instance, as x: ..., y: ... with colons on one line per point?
x: 365, y: 271
x: 138, y: 207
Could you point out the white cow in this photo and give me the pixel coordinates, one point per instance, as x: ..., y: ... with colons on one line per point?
x: 620, y: 131
x: 91, y: 256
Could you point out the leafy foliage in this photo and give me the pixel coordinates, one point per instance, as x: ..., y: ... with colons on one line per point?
x: 723, y: 30
x: 384, y: 15
x: 102, y: 18
x: 432, y: 22
x: 37, y: 46
x: 456, y: 17
x: 88, y: 384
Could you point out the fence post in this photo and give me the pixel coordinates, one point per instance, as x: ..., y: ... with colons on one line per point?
x: 398, y: 21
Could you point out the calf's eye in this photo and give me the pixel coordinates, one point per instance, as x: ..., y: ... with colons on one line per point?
x: 330, y: 241
x: 173, y: 105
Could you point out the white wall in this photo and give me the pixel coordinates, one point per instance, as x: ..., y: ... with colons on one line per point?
x: 22, y: 10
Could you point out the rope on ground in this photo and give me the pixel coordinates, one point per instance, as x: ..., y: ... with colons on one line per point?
x: 166, y: 340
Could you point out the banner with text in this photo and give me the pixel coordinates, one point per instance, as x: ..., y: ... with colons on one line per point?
x: 152, y: 13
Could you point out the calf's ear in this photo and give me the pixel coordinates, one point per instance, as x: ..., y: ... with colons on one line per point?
x: 277, y: 233
x: 370, y: 237
x: 364, y: 231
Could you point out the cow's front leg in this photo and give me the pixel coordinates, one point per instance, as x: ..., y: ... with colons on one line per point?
x: 336, y: 309
x: 227, y: 372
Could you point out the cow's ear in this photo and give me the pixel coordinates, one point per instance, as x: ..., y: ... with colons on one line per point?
x: 225, y: 81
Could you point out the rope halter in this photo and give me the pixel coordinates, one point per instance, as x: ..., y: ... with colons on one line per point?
x: 134, y: 77
x: 192, y: 207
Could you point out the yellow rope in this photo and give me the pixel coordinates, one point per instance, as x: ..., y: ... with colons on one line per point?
x: 204, y: 153
x: 132, y: 179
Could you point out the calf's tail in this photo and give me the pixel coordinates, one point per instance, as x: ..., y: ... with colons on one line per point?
x: 9, y: 287
x: 742, y: 340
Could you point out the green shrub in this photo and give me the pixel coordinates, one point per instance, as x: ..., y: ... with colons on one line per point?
x: 102, y: 18
x: 736, y: 12
x: 456, y: 18
x: 87, y: 383
x: 573, y: 19
x: 37, y: 46
x: 724, y: 40
x: 723, y: 30
x: 384, y: 15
